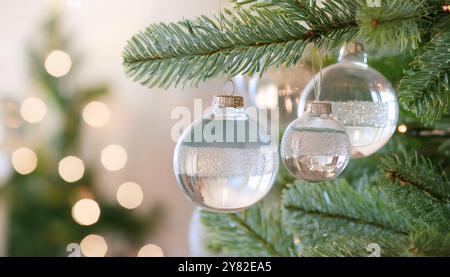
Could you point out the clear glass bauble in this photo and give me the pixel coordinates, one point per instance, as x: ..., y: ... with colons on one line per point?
x: 226, y: 162
x: 277, y: 88
x: 362, y: 99
x: 315, y: 147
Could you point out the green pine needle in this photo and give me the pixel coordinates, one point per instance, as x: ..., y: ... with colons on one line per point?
x: 257, y: 231
x: 358, y: 247
x: 425, y: 89
x: 315, y: 213
x: 239, y: 41
x: 396, y: 23
x: 256, y: 35
x: 419, y: 189
x: 429, y: 242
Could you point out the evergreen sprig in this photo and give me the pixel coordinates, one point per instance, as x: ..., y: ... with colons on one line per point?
x: 420, y: 190
x: 256, y: 35
x: 238, y: 41
x: 395, y: 23
x: 425, y: 89
x: 255, y: 232
x: 316, y: 213
x: 426, y: 242
x: 359, y: 247
x: 429, y: 242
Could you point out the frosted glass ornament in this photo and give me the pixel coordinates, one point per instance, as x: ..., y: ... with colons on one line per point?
x: 362, y: 99
x: 315, y: 147
x: 226, y: 162
x: 278, y: 88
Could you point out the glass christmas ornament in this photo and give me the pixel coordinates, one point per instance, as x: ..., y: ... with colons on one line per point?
x: 226, y: 161
x: 277, y: 88
x: 315, y: 147
x: 362, y: 99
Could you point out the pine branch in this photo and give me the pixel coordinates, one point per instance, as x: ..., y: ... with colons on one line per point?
x: 421, y: 243
x: 357, y: 247
x: 242, y: 41
x: 429, y: 242
x: 319, y: 212
x: 296, y: 6
x: 425, y: 89
x: 420, y: 190
x: 420, y: 173
x: 396, y: 23
x: 255, y: 232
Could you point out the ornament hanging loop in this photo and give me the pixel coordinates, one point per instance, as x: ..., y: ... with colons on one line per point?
x: 317, y: 79
x: 229, y: 88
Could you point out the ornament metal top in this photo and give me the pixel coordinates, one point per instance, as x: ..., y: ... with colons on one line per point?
x: 362, y: 99
x: 228, y: 101
x: 318, y: 108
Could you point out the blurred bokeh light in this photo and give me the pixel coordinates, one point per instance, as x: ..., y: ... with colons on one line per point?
x: 58, y: 63
x: 86, y: 212
x: 94, y: 246
x: 71, y: 169
x: 96, y: 114
x: 33, y: 110
x: 150, y: 250
x: 130, y: 195
x: 114, y: 157
x: 24, y: 160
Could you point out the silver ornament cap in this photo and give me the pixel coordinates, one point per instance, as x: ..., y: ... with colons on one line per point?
x: 353, y: 51
x: 353, y: 48
x: 228, y: 101
x: 316, y: 107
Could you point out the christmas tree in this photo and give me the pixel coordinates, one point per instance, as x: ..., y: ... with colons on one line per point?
x: 398, y: 198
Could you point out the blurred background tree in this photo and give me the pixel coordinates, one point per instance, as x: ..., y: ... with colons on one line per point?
x: 47, y: 194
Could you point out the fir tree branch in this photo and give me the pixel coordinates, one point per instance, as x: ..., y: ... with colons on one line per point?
x: 270, y: 249
x: 418, y: 172
x: 357, y: 247
x: 426, y: 242
x: 395, y: 23
x: 260, y: 34
x: 254, y: 232
x: 419, y: 190
x: 319, y: 212
x: 242, y: 41
x: 295, y: 6
x: 425, y: 88
x: 429, y: 242
x: 343, y: 219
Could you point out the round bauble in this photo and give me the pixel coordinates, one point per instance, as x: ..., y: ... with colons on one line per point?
x: 226, y: 162
x: 315, y: 147
x: 362, y: 99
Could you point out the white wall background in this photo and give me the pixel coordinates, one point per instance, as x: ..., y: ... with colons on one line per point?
x: 140, y: 117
